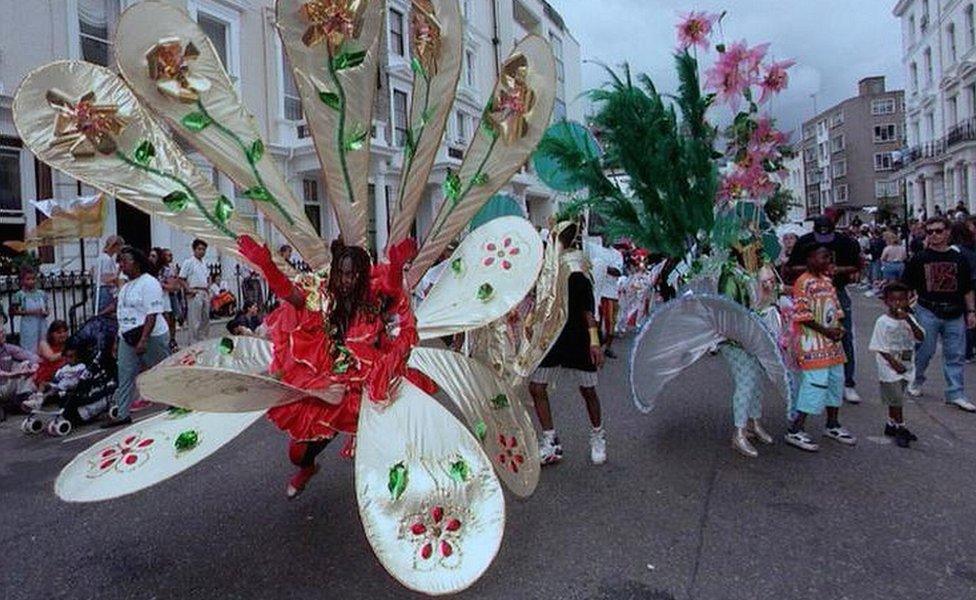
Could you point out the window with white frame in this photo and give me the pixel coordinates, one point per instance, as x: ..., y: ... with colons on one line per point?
x: 970, y: 27
x: 809, y: 132
x: 885, y: 133
x: 928, y: 67
x: 971, y: 100
x: 291, y: 100
x: 911, y: 30
x: 930, y: 125
x: 837, y: 144
x: 951, y: 43
x: 882, y: 161
x: 825, y: 198
x: 837, y: 119
x: 461, y: 127
x: 96, y: 27
x: 916, y: 132
x: 11, y: 200
x: 396, y: 33
x: 400, y: 118
x: 952, y: 111
x: 313, y: 208
x: 884, y: 106
x: 840, y: 168
x: 840, y: 193
x: 222, y: 25
x: 824, y: 151
x: 469, y: 65
x: 913, y: 70
x: 812, y: 199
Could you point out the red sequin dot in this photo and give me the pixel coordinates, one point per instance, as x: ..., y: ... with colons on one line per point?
x: 502, y: 458
x: 513, y: 251
x: 453, y: 525
x: 519, y: 458
x: 437, y: 513
x: 506, y: 265
x: 512, y: 442
x: 491, y: 247
x: 418, y: 529
x: 426, y: 551
x: 507, y: 242
x: 488, y: 261
x: 446, y: 549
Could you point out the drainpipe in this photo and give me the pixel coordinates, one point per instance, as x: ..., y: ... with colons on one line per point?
x: 495, y: 42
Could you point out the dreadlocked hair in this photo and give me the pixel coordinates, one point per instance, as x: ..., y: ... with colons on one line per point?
x: 346, y: 306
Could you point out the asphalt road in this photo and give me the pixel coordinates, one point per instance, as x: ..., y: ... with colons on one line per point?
x: 673, y: 514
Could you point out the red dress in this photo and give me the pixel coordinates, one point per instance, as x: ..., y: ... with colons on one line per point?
x: 47, y: 368
x: 373, y: 356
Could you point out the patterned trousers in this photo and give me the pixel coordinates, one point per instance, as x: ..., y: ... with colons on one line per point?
x: 747, y: 374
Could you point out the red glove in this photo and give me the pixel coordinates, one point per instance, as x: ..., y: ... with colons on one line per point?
x: 260, y: 256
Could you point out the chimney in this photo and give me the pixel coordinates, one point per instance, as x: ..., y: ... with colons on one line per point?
x: 871, y: 85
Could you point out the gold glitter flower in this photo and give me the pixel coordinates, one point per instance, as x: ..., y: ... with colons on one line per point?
x: 83, y: 125
x: 169, y: 67
x: 426, y: 35
x: 331, y: 20
x: 513, y: 100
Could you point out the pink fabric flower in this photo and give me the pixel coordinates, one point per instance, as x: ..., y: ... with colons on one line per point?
x: 735, y: 71
x: 694, y: 29
x: 775, y: 79
x: 766, y: 139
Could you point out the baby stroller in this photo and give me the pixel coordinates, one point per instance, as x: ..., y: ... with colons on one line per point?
x: 90, y: 398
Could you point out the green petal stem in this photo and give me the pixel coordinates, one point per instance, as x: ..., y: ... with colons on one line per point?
x: 221, y: 227
x: 252, y: 153
x: 479, y: 178
x: 408, y: 163
x: 341, y: 129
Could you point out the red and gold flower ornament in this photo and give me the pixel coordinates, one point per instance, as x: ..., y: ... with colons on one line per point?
x: 125, y: 455
x: 437, y: 535
x: 513, y: 100
x: 509, y: 455
x: 169, y: 66
x: 500, y: 253
x: 333, y: 21
x: 84, y: 126
x: 425, y: 39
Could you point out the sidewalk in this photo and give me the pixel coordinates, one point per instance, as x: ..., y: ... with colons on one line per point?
x: 218, y: 328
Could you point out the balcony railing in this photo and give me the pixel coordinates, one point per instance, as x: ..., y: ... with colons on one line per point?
x: 963, y: 132
x: 958, y: 134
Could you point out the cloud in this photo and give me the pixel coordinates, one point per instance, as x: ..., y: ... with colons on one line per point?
x: 835, y: 43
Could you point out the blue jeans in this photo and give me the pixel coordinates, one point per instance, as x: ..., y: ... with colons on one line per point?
x: 953, y: 333
x: 892, y: 271
x: 131, y: 364
x: 848, y: 342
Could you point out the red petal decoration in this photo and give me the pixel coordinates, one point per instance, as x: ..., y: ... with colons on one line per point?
x: 490, y: 247
x: 519, y: 459
x: 129, y: 440
x: 437, y: 513
x: 426, y: 551
x: 513, y: 252
x: 489, y: 261
x: 131, y: 459
x: 146, y: 442
x: 108, y: 452
x: 502, y: 458
x: 512, y: 442
x: 106, y: 464
x: 501, y: 439
x: 418, y: 529
x: 507, y: 242
x: 453, y: 525
x: 506, y: 265
x: 446, y: 549
x: 514, y: 466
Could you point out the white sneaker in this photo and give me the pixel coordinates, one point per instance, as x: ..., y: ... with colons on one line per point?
x: 598, y: 446
x: 914, y: 390
x: 851, y: 396
x: 801, y: 440
x: 839, y: 434
x: 963, y: 404
x: 550, y: 450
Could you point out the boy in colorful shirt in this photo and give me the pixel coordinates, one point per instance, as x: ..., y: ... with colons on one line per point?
x: 819, y: 352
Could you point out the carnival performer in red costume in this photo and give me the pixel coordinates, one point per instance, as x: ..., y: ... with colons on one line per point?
x: 354, y: 329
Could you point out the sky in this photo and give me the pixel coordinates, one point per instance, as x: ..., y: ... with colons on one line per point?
x: 834, y: 42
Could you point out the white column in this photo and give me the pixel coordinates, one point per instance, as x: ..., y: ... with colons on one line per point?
x: 970, y: 198
x: 380, y: 206
x: 957, y: 184
x: 929, y: 196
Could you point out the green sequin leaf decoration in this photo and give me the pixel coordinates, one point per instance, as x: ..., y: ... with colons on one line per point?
x: 187, y: 440
x: 480, y: 179
x: 418, y: 68
x: 330, y: 99
x: 196, y: 121
x: 350, y: 55
x: 459, y: 470
x: 357, y: 141
x: 481, y: 430
x: 398, y: 481
x: 145, y: 153
x: 226, y: 346
x: 176, y: 411
x: 457, y: 266
x: 485, y: 292
x: 500, y: 401
x: 452, y: 186
x: 257, y: 193
x: 176, y: 201
x: 256, y: 151
x: 223, y: 209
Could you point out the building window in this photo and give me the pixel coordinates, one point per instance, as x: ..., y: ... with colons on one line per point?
x: 885, y: 106
x: 400, y: 117
x: 10, y: 192
x: 462, y: 128
x: 216, y: 30
x: 840, y: 168
x: 469, y: 68
x: 928, y: 67
x: 313, y: 208
x: 840, y: 193
x: 952, y: 111
x: 970, y: 27
x: 911, y: 30
x: 396, y: 32
x: 913, y: 70
x: 885, y: 133
x: 837, y: 144
x: 557, y: 50
x: 824, y: 153
x: 951, y: 42
x: 837, y: 119
x: 96, y: 24
x: 882, y: 161
x: 809, y: 132
x: 930, y: 126
x: 289, y: 91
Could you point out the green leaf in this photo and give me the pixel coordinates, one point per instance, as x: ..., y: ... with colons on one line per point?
x: 258, y: 193
x: 175, y: 412
x: 485, y: 292
x: 196, y: 121
x: 357, y: 140
x: 223, y: 209
x: 330, y: 99
x: 452, y: 186
x: 427, y: 115
x: 500, y: 401
x: 186, y: 440
x: 410, y: 145
x: 256, y: 151
x: 480, y: 179
x: 176, y: 201
x: 481, y: 430
x: 398, y: 480
x: 351, y: 54
x: 145, y: 152
x: 457, y: 266
x: 459, y: 470
x: 226, y: 345
x: 488, y: 128
x: 418, y: 68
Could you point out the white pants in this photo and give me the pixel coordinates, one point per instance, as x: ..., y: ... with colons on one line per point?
x: 198, y: 316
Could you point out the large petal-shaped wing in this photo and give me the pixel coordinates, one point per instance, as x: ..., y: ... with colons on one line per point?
x: 494, y: 411
x: 436, y: 40
x: 682, y: 331
x: 334, y: 60
x: 229, y: 375
x: 134, y: 161
x: 147, y: 453
x: 430, y: 502
x: 173, y: 67
x: 490, y: 272
x: 512, y: 125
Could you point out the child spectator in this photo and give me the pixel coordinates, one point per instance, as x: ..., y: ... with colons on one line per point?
x: 66, y: 379
x: 819, y: 352
x: 894, y: 337
x: 247, y: 321
x: 17, y: 367
x: 50, y: 352
x: 30, y: 304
